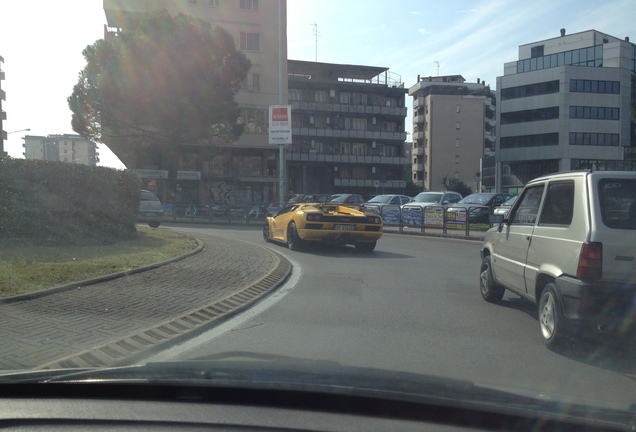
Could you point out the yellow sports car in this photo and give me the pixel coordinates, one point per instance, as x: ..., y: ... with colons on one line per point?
x: 300, y: 223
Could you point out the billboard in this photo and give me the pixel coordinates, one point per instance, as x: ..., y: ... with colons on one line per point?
x: 280, y: 124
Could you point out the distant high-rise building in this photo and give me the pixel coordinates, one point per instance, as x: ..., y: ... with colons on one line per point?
x: 63, y: 148
x: 565, y: 105
x: 453, y: 128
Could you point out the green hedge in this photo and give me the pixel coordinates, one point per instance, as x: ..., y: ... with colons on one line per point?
x: 66, y: 203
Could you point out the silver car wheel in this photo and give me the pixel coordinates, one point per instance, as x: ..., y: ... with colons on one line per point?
x: 547, y: 317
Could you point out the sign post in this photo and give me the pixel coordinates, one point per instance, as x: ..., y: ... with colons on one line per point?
x: 280, y: 133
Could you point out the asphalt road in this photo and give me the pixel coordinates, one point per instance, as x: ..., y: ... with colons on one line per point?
x: 412, y: 305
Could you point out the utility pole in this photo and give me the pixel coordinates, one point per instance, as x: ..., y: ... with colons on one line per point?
x: 316, y: 34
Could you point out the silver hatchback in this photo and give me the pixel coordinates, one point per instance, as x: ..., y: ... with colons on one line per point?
x: 150, y: 209
x: 568, y: 245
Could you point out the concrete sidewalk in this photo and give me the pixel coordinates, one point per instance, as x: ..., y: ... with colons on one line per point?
x: 114, y: 322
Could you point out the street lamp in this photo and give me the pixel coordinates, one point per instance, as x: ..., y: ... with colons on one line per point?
x: 3, y: 136
x: 21, y: 130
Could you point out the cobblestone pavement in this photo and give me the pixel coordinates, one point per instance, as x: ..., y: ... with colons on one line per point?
x: 42, y: 330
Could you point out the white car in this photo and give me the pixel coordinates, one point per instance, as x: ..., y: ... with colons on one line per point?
x: 568, y: 245
x: 150, y: 209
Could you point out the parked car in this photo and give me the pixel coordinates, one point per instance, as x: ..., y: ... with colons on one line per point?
x: 347, y: 199
x: 567, y: 245
x: 150, y: 209
x: 412, y: 212
x: 388, y: 199
x: 479, y: 206
x: 300, y: 224
x: 505, y: 207
x: 424, y: 199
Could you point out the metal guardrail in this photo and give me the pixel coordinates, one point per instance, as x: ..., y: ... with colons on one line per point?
x: 432, y: 217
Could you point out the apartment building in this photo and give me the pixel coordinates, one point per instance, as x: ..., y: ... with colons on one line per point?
x: 453, y: 128
x: 565, y: 105
x: 348, y: 129
x: 63, y: 148
x: 245, y: 170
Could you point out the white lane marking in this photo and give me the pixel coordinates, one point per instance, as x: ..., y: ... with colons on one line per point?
x: 237, y: 321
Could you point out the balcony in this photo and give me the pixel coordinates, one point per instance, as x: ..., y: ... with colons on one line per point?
x: 349, y: 133
x: 347, y: 108
x: 418, y: 119
x: 418, y: 135
x: 419, y: 151
x: 348, y: 159
x: 418, y: 101
x: 366, y: 183
x: 418, y: 167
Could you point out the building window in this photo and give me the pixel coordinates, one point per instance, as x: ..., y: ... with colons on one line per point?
x: 536, y: 140
x: 250, y: 41
x: 524, y: 116
x: 320, y: 95
x: 256, y: 82
x: 594, y: 113
x: 590, y: 56
x: 603, y: 165
x: 345, y: 98
x: 214, y: 3
x: 192, y: 2
x: 456, y: 125
x: 359, y: 149
x: 458, y: 109
x: 345, y: 148
x: 536, y: 51
x: 359, y: 99
x: 594, y: 139
x: 456, y: 142
x: 594, y: 86
x: 360, y: 123
x: 457, y: 159
x: 543, y: 88
x: 249, y: 4
x: 295, y: 95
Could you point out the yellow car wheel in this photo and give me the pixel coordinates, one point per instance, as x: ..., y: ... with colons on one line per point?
x: 294, y: 242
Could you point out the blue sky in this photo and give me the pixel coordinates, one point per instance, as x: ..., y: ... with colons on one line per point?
x: 42, y: 51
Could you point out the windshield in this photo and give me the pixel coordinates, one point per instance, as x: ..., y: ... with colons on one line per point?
x: 381, y: 199
x: 428, y: 197
x: 481, y: 199
x: 201, y: 108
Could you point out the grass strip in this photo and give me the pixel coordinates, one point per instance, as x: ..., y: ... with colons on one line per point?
x: 28, y: 266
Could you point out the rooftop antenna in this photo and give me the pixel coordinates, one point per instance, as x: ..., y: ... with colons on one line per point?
x: 316, y: 34
x: 437, y: 63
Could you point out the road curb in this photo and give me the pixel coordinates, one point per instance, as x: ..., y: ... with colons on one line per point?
x: 135, y: 346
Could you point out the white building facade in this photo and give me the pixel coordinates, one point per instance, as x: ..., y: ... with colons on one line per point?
x: 62, y: 148
x: 565, y: 105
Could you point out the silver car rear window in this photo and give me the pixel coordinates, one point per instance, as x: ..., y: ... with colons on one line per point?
x: 618, y: 203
